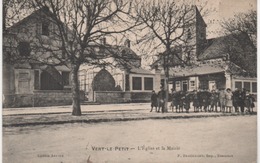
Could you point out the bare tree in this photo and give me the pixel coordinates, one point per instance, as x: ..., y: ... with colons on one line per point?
x: 13, y: 11
x: 167, y: 25
x: 74, y: 38
x: 242, y: 48
x: 245, y: 23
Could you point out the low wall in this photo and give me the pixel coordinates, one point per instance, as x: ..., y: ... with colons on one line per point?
x: 52, y: 98
x: 141, y: 96
x: 39, y: 98
x: 111, y: 97
x: 121, y: 97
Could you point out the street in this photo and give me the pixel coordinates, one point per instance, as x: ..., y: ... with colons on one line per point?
x: 221, y: 139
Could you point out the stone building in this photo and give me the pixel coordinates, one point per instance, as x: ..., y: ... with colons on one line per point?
x: 215, y: 63
x: 130, y: 82
x: 30, y: 81
x: 27, y: 81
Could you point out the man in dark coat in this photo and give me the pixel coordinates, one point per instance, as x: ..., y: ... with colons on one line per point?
x: 161, y: 98
x: 214, y: 101
x: 236, y: 95
x: 187, y: 101
x: 249, y: 102
x: 154, y: 101
x: 195, y: 100
x: 175, y: 102
x: 242, y: 98
x: 182, y: 100
x: 204, y: 97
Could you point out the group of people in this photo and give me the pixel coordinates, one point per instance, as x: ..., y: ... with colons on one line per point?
x: 223, y: 100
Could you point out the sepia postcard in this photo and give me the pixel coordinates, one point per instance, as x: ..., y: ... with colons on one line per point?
x: 138, y: 81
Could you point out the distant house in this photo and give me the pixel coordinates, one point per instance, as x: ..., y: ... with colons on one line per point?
x: 131, y: 82
x: 27, y: 81
x: 224, y: 62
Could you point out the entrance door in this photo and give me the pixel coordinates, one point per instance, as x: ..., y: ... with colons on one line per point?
x: 185, y: 85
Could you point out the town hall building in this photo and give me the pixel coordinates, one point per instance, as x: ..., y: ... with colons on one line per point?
x: 228, y: 61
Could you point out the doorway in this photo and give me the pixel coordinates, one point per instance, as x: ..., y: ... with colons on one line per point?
x: 185, y: 85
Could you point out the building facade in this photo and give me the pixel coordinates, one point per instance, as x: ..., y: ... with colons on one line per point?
x: 26, y: 80
x: 216, y: 63
x: 132, y: 83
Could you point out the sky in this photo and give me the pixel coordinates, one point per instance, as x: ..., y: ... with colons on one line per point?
x: 225, y: 9
x: 220, y: 10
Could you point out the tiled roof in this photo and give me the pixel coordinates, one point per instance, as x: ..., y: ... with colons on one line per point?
x: 196, y: 70
x: 141, y: 71
x: 219, y: 47
x: 207, y: 68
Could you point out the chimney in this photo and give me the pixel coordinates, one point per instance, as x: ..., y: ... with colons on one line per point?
x: 127, y: 43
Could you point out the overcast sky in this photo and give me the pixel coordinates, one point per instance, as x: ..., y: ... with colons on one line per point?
x: 225, y: 9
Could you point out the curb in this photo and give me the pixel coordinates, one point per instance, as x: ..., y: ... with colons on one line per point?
x: 69, y: 112
x: 121, y: 119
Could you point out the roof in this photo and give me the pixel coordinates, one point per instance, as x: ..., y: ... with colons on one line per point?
x: 32, y: 15
x: 141, y: 71
x: 199, y: 17
x: 219, y: 47
x: 207, y: 68
x: 196, y: 70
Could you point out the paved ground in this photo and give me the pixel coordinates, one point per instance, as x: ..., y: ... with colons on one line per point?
x: 93, y: 114
x: 229, y: 139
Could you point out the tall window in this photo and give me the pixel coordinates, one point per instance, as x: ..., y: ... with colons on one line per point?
x: 192, y: 85
x: 254, y: 87
x: 148, y: 83
x: 24, y: 48
x: 127, y: 82
x: 137, y: 83
x: 238, y: 85
x: 65, y: 78
x: 177, y: 85
x: 36, y: 79
x: 247, y: 86
x: 45, y: 29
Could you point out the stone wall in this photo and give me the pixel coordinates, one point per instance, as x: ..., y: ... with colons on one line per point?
x: 112, y: 96
x: 39, y: 98
x: 121, y: 97
x: 52, y: 97
x: 141, y: 96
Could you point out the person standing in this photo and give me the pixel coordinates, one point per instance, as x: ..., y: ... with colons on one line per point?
x: 242, y: 100
x: 161, y: 98
x: 236, y: 95
x: 174, y: 103
x: 229, y: 101
x: 195, y: 99
x: 154, y: 101
x: 222, y: 99
x: 249, y: 102
x: 205, y: 95
x: 214, y: 101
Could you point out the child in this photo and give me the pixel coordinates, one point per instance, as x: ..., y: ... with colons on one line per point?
x: 213, y: 101
x: 153, y: 101
x: 196, y: 101
x: 229, y: 101
x: 249, y: 102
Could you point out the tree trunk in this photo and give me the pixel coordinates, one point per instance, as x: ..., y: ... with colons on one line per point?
x: 76, y: 110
